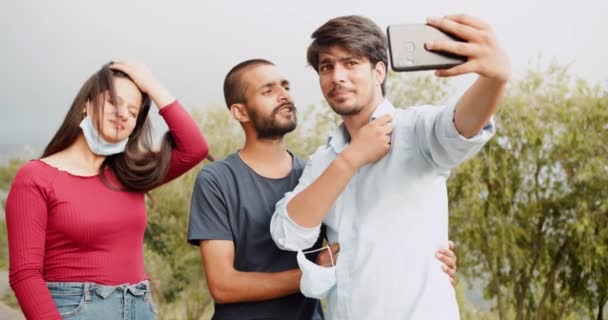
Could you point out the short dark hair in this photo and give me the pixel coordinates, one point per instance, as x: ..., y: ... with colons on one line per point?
x: 359, y: 35
x: 234, y: 92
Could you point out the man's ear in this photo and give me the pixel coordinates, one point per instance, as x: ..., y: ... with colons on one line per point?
x: 380, y: 71
x: 239, y: 112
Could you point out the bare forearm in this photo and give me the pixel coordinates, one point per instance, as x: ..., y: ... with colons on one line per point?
x: 309, y: 207
x: 241, y: 286
x: 477, y: 105
x: 368, y: 144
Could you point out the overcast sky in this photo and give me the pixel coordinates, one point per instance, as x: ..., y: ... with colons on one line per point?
x: 50, y: 47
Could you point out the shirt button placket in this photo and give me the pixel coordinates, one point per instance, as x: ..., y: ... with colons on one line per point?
x: 346, y: 253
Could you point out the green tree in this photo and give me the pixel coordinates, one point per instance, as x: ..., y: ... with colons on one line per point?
x: 175, y: 266
x: 529, y: 211
x: 587, y: 275
x: 412, y: 89
x: 7, y: 174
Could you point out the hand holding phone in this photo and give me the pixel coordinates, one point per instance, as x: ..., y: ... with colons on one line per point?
x: 485, y: 56
x: 408, y: 52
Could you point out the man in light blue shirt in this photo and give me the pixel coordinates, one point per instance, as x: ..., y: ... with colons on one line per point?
x: 379, y: 184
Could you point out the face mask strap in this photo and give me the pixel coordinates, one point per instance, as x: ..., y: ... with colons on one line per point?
x: 331, y: 256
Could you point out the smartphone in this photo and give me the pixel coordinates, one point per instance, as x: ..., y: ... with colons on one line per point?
x: 407, y: 51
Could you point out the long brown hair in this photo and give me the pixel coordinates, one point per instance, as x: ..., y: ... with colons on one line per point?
x: 139, y: 168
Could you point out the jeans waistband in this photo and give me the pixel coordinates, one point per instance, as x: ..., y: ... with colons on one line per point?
x: 138, y: 289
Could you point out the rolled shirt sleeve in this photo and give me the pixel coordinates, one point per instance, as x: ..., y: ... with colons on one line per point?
x: 440, y: 142
x: 286, y: 233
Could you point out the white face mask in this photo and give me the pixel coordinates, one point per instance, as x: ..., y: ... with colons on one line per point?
x: 96, y: 143
x: 316, y: 281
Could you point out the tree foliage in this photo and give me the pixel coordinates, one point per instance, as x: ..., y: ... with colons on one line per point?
x: 530, y: 211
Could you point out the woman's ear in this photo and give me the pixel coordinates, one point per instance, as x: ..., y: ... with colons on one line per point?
x: 86, y: 108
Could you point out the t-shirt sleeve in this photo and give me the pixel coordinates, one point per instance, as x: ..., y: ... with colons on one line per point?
x: 209, y: 210
x: 286, y: 233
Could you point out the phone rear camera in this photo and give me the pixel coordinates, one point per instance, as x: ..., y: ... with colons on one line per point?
x: 410, y: 46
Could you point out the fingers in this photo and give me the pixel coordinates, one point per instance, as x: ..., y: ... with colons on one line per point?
x: 447, y: 257
x: 449, y: 262
x: 384, y: 123
x: 450, y: 272
x: 460, y: 48
x: 447, y: 253
x: 326, y: 259
x: 386, y: 130
x: 461, y: 25
x: 121, y: 66
x: 485, y: 56
x: 464, y: 68
x: 383, y: 120
x: 335, y: 248
x: 455, y: 28
x: 468, y: 21
x: 128, y: 67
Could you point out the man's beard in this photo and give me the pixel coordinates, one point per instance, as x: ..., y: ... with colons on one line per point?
x: 350, y: 111
x: 270, y: 128
x: 345, y: 110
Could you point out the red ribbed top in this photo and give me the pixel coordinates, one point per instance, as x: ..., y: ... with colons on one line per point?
x: 68, y: 228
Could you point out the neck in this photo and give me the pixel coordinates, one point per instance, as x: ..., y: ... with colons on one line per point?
x: 355, y: 122
x: 268, y: 157
x: 80, y: 152
x: 269, y: 150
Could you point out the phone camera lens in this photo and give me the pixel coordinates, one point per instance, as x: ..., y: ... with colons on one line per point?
x: 410, y: 46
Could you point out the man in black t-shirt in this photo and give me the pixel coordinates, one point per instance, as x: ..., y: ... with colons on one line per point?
x: 234, y: 199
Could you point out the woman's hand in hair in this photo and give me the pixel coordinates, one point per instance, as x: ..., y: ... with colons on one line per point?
x: 146, y: 82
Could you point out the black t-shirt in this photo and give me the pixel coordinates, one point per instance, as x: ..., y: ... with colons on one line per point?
x: 232, y: 202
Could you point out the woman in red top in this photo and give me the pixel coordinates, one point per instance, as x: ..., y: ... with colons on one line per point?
x: 76, y: 217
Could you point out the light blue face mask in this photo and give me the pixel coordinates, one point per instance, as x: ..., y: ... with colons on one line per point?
x: 316, y: 281
x: 96, y: 143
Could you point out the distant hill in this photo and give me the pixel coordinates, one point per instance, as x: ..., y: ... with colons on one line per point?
x: 12, y: 151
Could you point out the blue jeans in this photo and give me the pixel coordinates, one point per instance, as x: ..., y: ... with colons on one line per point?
x: 90, y: 301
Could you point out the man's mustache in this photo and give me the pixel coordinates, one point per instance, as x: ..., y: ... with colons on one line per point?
x: 339, y: 88
x: 284, y: 105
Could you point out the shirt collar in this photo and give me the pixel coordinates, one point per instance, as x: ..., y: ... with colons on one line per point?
x: 384, y: 108
x: 339, y: 138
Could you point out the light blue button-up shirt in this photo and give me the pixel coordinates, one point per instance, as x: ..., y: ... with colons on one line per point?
x: 390, y: 219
